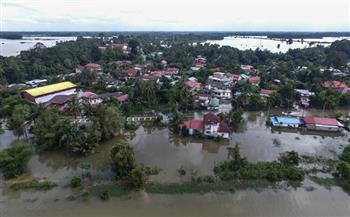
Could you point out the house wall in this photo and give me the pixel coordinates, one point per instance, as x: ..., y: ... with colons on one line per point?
x: 211, y: 130
x: 28, y: 97
x: 286, y: 125
x: 322, y: 127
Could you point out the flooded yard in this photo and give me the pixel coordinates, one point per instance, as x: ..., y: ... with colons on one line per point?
x: 164, y: 149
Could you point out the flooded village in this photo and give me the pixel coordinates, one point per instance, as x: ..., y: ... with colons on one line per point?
x: 182, y: 110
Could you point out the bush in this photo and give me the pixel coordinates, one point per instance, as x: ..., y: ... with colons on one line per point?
x: 137, y: 178
x: 131, y: 126
x: 14, y: 160
x: 151, y: 170
x: 105, y: 195
x: 75, y: 181
x: 182, y: 171
x: 345, y: 156
x: 294, y: 174
x: 45, y: 185
x: 290, y: 158
x: 343, y: 169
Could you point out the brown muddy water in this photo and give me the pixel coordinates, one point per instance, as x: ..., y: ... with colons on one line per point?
x: 161, y: 148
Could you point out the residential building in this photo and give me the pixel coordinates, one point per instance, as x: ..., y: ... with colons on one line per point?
x: 89, y: 98
x: 236, y: 78
x: 219, y: 80
x: 93, y: 67
x: 323, y: 124
x: 222, y: 93
x: 60, y: 102
x: 304, y: 97
x: 255, y: 80
x: 265, y: 94
x: 193, y: 86
x: 210, y: 126
x: 247, y: 68
x: 119, y: 96
x: 46, y: 93
x: 339, y: 85
x: 285, y: 121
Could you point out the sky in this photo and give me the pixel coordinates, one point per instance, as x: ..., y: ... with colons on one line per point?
x: 175, y: 15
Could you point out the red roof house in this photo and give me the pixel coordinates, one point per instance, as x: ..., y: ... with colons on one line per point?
x: 194, y: 124
x: 94, y: 67
x: 247, y: 68
x: 193, y: 86
x: 319, y: 123
x: 266, y: 92
x: 255, y: 80
x: 335, y: 84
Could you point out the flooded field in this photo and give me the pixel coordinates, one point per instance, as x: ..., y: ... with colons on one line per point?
x: 273, y: 45
x: 162, y: 148
x: 10, y: 47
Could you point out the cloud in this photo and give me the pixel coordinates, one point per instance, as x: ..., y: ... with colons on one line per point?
x: 249, y: 15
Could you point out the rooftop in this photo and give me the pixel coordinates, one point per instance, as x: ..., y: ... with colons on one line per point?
x: 285, y: 120
x: 320, y: 121
x: 39, y: 91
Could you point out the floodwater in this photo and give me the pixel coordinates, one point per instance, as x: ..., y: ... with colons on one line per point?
x: 262, y: 42
x: 9, y: 47
x: 161, y: 148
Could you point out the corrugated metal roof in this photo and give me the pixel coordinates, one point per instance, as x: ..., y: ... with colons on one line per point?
x: 39, y: 91
x: 285, y: 120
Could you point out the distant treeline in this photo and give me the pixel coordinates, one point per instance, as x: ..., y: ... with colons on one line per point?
x: 11, y: 36
x: 287, y: 35
x: 203, y: 35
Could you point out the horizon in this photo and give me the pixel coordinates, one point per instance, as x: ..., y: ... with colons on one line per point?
x: 174, y: 16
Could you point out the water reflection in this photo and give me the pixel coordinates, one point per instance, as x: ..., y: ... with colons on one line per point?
x: 163, y: 148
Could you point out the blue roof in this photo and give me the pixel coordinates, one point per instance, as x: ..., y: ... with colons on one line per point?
x: 285, y: 120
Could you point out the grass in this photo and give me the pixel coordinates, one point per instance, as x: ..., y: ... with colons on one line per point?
x: 45, y: 185
x: 181, y: 188
x: 329, y: 182
x: 116, y: 189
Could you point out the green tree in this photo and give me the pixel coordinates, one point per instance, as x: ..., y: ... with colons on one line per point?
x: 136, y: 178
x: 123, y: 159
x: 14, y: 160
x: 110, y: 119
x: 17, y: 121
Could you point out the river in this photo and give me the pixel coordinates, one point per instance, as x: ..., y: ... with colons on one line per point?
x: 273, y: 45
x: 9, y: 47
x: 160, y: 147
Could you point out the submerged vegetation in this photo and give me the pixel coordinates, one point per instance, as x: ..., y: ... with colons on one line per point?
x: 286, y: 168
x: 35, y: 185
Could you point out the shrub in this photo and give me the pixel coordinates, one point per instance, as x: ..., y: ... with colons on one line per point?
x: 45, y: 185
x: 345, y: 156
x: 75, y: 181
x: 182, y: 171
x: 105, y: 195
x: 136, y: 178
x: 151, y: 170
x: 14, y: 160
x: 343, y: 169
